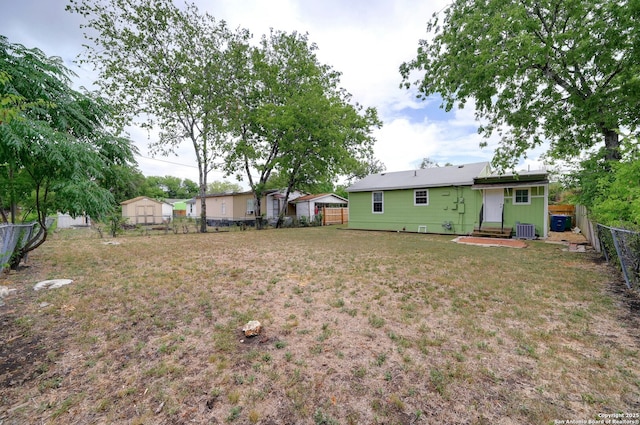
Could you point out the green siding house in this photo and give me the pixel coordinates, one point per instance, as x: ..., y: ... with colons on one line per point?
x: 460, y: 200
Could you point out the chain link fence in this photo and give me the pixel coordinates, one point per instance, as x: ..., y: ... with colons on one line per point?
x: 623, y: 247
x: 12, y: 238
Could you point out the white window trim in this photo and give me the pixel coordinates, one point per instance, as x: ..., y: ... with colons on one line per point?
x: 250, y: 206
x: 415, y: 204
x: 373, y: 202
x: 515, y: 190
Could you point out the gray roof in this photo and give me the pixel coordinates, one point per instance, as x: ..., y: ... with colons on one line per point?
x: 456, y: 175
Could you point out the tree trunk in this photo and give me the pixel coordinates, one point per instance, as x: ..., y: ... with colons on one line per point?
x: 292, y: 180
x: 286, y: 202
x: 34, y: 242
x: 612, y: 145
x: 12, y: 198
x: 203, y: 208
x: 5, y: 219
x: 257, y: 212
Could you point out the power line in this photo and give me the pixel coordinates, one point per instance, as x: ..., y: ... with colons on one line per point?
x: 166, y: 161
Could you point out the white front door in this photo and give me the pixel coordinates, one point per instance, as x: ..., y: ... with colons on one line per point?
x: 493, y: 204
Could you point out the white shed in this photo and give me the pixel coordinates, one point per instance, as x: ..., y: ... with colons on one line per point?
x: 65, y: 221
x: 310, y: 206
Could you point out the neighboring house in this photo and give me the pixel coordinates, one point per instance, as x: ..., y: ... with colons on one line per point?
x: 238, y: 207
x: 275, y: 203
x: 228, y: 208
x: 191, y: 208
x: 144, y: 210
x: 65, y: 221
x: 461, y: 200
x: 310, y: 206
x: 179, y: 207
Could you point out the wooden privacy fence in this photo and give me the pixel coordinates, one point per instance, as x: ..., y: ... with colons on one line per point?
x: 586, y: 227
x: 335, y: 216
x: 569, y: 210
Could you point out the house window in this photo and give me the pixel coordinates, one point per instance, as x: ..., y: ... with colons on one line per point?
x: 377, y: 199
x: 521, y: 196
x: 420, y: 197
x: 276, y: 207
x: 250, y: 208
x: 223, y: 208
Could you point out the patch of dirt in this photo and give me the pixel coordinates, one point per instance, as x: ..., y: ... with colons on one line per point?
x: 566, y: 237
x: 21, y: 358
x: 629, y: 300
x: 498, y: 242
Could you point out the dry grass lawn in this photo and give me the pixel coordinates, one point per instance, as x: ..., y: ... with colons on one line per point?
x: 359, y: 328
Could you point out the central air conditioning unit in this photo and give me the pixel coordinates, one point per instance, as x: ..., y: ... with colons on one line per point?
x: 525, y: 231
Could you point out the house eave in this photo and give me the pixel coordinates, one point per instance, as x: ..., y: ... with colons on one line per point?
x: 507, y: 185
x: 412, y: 186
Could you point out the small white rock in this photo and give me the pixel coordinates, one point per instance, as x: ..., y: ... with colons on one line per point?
x: 252, y: 328
x: 52, y: 284
x: 5, y: 291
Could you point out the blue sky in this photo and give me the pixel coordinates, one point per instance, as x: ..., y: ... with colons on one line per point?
x: 366, y: 40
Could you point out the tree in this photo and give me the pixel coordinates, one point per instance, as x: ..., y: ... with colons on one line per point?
x: 293, y: 119
x: 56, y: 144
x: 224, y: 187
x: 429, y: 163
x: 557, y: 71
x: 611, y: 191
x: 167, y: 64
x: 365, y: 167
x: 124, y: 182
x: 163, y: 187
x: 169, y: 187
x: 190, y: 188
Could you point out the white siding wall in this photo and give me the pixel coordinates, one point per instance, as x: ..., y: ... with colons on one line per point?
x: 65, y: 221
x: 167, y: 211
x: 305, y: 209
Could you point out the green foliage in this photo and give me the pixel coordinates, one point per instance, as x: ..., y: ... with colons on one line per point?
x: 169, y: 64
x: 429, y: 163
x: 537, y: 71
x: 116, y: 222
x: 168, y: 187
x: 610, y: 189
x: 59, y: 145
x: 266, y: 108
x: 556, y: 192
x: 223, y: 187
x: 321, y: 418
x: 341, y: 190
x: 364, y: 167
x: 124, y: 182
x: 293, y: 120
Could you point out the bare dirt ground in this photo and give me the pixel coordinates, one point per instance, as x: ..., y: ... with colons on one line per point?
x: 359, y: 327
